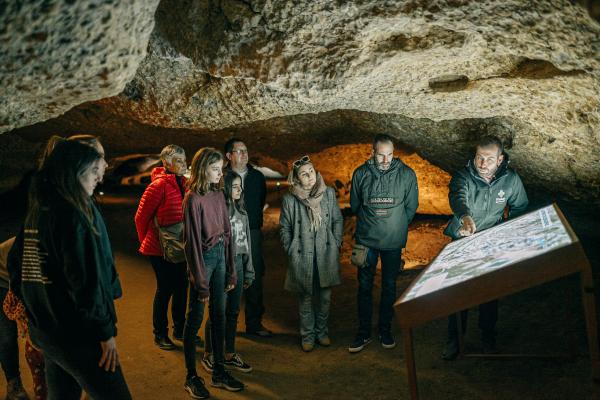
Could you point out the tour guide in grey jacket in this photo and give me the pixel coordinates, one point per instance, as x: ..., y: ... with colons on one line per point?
x: 471, y: 195
x: 479, y: 194
x: 384, y: 198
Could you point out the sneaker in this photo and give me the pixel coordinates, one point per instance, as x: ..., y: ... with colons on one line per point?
x: 261, y: 331
x: 208, y: 362
x: 387, y: 340
x: 324, y: 341
x: 359, y: 343
x: 237, y: 363
x: 450, y: 351
x: 224, y: 380
x: 308, y: 346
x: 164, y: 343
x: 195, y: 387
x: 15, y: 390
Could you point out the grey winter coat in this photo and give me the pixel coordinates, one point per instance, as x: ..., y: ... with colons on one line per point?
x: 384, y: 203
x: 472, y: 195
x: 301, y: 243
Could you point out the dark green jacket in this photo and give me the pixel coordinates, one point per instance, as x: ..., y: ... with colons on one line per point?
x: 471, y: 195
x: 65, y: 274
x: 384, y: 203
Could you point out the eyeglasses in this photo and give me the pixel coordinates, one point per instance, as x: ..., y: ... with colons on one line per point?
x: 301, y: 161
x: 240, y: 151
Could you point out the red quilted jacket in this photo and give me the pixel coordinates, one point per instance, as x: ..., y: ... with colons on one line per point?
x: 163, y: 199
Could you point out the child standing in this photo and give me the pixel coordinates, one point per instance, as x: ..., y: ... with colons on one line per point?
x: 238, y: 218
x: 209, y: 255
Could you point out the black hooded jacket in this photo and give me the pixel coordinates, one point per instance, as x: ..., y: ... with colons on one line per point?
x: 63, y: 270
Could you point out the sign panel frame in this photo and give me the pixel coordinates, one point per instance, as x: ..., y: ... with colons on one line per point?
x: 513, y: 278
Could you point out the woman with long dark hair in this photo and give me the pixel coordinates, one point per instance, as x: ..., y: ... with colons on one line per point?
x: 240, y: 229
x: 67, y: 278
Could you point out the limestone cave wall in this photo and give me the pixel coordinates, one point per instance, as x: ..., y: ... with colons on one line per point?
x: 295, y: 77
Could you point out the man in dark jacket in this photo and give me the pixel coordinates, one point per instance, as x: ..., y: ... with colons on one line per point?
x: 255, y: 193
x: 480, y: 194
x: 384, y: 197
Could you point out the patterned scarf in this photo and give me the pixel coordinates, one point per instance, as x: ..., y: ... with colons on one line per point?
x: 311, y: 199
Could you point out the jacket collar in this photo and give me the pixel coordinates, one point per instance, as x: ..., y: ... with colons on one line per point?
x: 372, y: 165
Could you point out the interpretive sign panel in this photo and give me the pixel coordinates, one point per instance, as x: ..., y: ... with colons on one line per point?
x: 535, y: 248
x: 529, y: 250
x: 522, y: 238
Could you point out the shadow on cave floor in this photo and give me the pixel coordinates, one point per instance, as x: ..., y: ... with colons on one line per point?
x: 547, y: 320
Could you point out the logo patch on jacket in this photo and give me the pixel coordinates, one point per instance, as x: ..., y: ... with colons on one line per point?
x: 501, y: 199
x: 382, y: 200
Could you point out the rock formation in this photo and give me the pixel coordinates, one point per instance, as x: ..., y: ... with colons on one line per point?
x: 436, y: 74
x: 58, y: 54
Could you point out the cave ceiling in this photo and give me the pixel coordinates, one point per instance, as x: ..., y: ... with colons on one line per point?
x: 290, y: 77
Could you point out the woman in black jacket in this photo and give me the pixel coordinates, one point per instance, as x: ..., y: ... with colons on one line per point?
x: 67, y: 277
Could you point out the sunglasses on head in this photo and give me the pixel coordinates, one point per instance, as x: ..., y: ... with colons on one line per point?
x: 301, y: 161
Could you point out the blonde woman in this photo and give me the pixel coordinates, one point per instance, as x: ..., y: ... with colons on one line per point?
x: 311, y: 228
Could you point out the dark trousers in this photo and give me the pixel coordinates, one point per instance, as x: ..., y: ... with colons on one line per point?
x: 254, y: 294
x: 233, y: 298
x: 9, y: 345
x: 488, y: 316
x: 73, y: 367
x: 390, y: 268
x: 214, y: 262
x: 171, y: 284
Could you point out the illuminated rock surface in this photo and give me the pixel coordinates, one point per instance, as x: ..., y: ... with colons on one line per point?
x: 290, y: 76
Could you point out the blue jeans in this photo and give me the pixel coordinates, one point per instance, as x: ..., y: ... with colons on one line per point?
x: 214, y: 262
x: 390, y: 268
x: 314, y: 311
x: 232, y: 311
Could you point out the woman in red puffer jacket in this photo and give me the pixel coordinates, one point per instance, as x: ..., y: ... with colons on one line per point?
x: 162, y: 199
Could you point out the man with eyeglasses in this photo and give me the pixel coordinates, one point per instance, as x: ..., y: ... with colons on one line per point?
x: 384, y: 198
x: 255, y: 193
x: 480, y: 194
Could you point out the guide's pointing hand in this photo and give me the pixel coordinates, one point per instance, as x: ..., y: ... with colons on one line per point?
x: 468, y: 226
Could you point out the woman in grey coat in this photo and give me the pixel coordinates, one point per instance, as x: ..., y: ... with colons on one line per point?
x: 311, y: 233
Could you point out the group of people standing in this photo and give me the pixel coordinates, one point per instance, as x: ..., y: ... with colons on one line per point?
x: 62, y: 267
x: 220, y: 211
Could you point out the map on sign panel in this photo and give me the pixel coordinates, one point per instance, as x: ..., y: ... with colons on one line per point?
x: 519, y: 239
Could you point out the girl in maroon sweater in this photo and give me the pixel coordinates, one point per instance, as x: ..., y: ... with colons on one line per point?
x: 211, y: 269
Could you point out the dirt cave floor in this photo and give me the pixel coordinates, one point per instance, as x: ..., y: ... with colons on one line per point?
x: 547, y: 320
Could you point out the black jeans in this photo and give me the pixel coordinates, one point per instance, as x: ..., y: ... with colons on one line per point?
x: 171, y: 283
x: 9, y: 345
x: 73, y: 367
x: 214, y: 262
x: 233, y: 298
x: 390, y: 268
x: 488, y: 316
x: 254, y: 294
